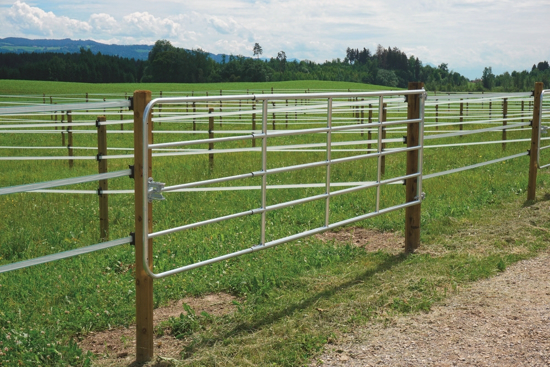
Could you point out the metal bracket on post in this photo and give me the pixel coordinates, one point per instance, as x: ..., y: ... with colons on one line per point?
x: 154, y: 190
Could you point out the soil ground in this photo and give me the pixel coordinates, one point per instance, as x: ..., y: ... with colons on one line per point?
x: 501, y: 321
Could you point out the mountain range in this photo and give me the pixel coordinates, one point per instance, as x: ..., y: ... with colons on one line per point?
x: 21, y: 45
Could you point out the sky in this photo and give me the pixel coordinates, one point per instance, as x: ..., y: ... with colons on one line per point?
x: 468, y: 35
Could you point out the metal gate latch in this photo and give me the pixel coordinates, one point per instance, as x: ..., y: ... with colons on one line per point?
x: 154, y: 190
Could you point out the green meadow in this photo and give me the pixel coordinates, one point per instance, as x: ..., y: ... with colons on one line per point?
x: 46, y: 309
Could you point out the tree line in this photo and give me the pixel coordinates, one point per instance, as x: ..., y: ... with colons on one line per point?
x: 83, y: 66
x: 166, y: 63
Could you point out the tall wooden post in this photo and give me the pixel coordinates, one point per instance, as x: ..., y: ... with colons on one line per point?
x: 461, y: 115
x: 221, y: 108
x: 532, y: 185
x: 144, y: 283
x: 362, y: 116
x: 504, y: 120
x: 412, y: 213
x: 103, y: 184
x: 70, y: 138
x: 211, y: 136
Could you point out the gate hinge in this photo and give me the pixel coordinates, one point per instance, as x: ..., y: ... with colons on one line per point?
x: 154, y: 190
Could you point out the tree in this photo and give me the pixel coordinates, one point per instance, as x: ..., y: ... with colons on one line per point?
x: 488, y: 78
x: 257, y: 49
x: 281, y: 56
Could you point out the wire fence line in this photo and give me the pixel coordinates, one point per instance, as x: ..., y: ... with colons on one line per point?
x: 356, y: 109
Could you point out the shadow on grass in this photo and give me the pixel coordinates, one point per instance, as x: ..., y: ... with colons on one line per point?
x: 529, y: 203
x: 263, y: 320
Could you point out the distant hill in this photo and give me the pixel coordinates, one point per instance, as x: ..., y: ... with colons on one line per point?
x: 21, y: 45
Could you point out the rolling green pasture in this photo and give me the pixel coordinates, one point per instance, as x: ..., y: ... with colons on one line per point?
x: 46, y: 308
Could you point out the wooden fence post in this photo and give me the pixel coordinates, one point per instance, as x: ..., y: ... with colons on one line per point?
x: 532, y: 185
x: 504, y: 120
x: 211, y: 136
x: 220, y: 108
x: 70, y: 138
x: 412, y: 213
x: 144, y: 283
x: 461, y: 115
x: 103, y: 184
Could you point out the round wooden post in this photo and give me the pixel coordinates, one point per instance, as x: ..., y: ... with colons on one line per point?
x: 144, y: 283
x: 412, y: 213
x: 532, y: 185
x: 461, y: 115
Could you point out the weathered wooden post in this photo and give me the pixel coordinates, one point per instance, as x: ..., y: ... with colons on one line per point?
x: 533, y: 152
x: 461, y: 115
x: 412, y: 213
x: 504, y: 120
x: 103, y: 184
x: 144, y: 283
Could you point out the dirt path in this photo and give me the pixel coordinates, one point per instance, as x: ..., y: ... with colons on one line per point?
x: 501, y: 321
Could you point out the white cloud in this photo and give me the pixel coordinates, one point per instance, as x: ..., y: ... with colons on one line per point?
x: 466, y: 34
x: 36, y: 21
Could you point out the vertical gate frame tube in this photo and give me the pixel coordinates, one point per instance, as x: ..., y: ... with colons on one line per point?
x: 329, y: 159
x: 264, y: 169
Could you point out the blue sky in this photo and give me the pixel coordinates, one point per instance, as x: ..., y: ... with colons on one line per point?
x: 468, y: 35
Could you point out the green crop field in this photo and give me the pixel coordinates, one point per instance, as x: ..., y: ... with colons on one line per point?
x: 46, y: 309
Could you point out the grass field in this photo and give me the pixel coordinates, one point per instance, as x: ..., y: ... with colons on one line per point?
x: 44, y: 309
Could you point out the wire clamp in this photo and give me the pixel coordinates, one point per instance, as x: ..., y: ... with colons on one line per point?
x: 422, y: 196
x: 154, y: 190
x: 404, y: 140
x: 132, y: 171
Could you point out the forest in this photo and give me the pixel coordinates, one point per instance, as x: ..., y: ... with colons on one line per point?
x: 167, y: 63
